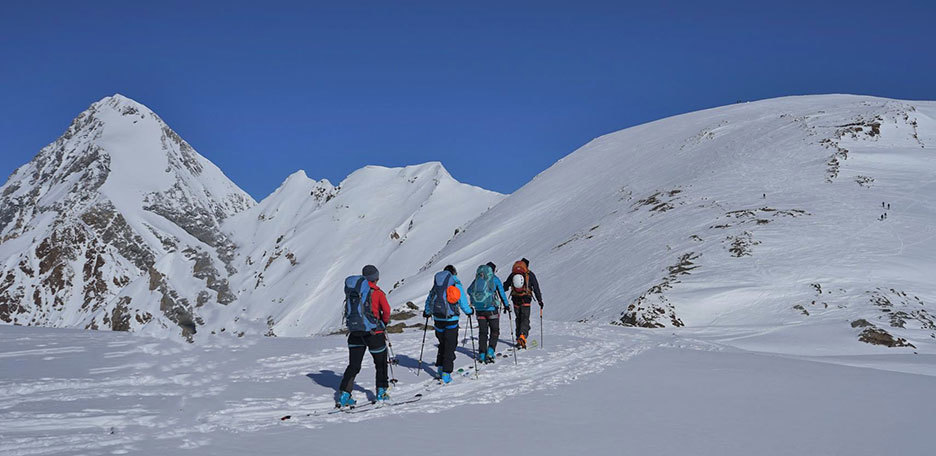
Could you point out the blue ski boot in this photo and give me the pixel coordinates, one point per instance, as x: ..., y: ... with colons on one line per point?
x: 482, y: 356
x: 446, y: 378
x: 491, y: 355
x: 382, y: 394
x: 346, y: 400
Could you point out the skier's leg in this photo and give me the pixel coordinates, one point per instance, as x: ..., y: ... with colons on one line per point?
x: 356, y: 347
x: 377, y: 345
x: 482, y: 333
x: 440, y: 336
x: 518, y: 323
x: 494, y: 323
x: 524, y: 319
x: 451, y: 342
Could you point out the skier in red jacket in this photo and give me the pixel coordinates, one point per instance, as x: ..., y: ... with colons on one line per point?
x: 374, y: 341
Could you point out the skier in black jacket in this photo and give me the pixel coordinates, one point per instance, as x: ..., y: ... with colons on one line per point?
x: 523, y: 287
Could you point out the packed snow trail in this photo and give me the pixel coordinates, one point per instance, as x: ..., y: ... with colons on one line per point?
x: 88, y: 392
x: 80, y: 392
x: 579, y: 350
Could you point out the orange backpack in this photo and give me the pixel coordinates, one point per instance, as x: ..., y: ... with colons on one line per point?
x: 521, y: 274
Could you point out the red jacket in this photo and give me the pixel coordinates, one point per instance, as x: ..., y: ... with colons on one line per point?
x: 379, y: 303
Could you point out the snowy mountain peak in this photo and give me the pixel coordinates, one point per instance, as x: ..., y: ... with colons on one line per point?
x: 118, y: 102
x: 303, y: 238
x: 116, y: 225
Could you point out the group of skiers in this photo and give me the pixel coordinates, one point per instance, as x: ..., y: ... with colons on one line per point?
x: 367, y: 313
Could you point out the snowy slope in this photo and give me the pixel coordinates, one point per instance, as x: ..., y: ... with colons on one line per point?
x: 596, y: 387
x: 298, y: 244
x: 765, y: 213
x: 116, y: 225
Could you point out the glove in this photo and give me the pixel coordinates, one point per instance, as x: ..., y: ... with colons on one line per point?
x: 470, y: 311
x: 541, y: 304
x: 426, y: 314
x: 506, y: 309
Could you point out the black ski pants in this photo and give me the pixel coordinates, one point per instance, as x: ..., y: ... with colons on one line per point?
x: 447, y: 334
x: 488, y: 320
x: 522, y: 312
x: 358, y: 342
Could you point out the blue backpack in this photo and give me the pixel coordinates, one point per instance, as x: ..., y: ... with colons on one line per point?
x: 483, y: 290
x: 441, y: 308
x: 358, y: 313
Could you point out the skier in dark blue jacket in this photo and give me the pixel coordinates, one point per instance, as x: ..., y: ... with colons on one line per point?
x: 487, y: 296
x: 443, y: 303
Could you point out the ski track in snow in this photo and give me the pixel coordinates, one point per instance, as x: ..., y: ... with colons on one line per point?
x: 579, y: 350
x: 116, y: 393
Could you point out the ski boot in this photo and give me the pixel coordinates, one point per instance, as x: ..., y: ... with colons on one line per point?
x: 521, y: 342
x: 382, y: 394
x: 446, y: 378
x: 346, y: 400
x: 491, y: 355
x: 482, y: 356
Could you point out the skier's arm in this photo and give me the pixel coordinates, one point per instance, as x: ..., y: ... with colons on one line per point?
x: 500, y: 291
x: 427, y: 310
x: 384, y: 308
x: 508, y: 282
x: 534, y: 284
x: 463, y: 300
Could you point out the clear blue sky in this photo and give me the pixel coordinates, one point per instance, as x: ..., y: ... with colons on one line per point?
x: 497, y: 91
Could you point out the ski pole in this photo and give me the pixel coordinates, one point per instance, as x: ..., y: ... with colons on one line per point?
x: 425, y: 328
x: 541, y: 328
x: 393, y: 379
x: 465, y: 335
x: 475, y: 357
x: 513, y: 343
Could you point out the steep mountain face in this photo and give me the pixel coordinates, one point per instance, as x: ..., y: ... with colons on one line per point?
x: 299, y: 244
x: 116, y: 225
x: 797, y: 214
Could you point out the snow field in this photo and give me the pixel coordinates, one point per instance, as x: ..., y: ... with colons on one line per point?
x: 592, y: 387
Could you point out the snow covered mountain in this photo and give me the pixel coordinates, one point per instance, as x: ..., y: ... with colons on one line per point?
x: 116, y: 225
x: 299, y: 244
x: 797, y: 214
x: 806, y: 216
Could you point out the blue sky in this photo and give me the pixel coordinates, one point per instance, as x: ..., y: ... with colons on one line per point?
x: 497, y: 91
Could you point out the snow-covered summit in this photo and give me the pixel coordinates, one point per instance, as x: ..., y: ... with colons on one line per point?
x: 790, y: 211
x: 303, y: 239
x: 116, y: 224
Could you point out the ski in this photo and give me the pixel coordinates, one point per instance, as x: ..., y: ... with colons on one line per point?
x: 379, y: 405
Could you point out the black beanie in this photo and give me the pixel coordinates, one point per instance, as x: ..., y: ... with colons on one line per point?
x: 451, y: 269
x: 526, y: 261
x: 492, y: 265
x: 370, y: 273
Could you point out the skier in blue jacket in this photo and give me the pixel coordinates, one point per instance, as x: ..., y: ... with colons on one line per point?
x: 487, y: 296
x: 443, y: 303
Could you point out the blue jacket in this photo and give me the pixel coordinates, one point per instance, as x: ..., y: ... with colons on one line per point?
x: 499, y: 286
x: 462, y: 301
